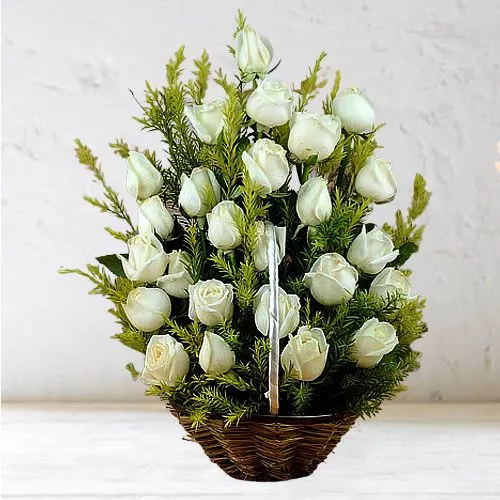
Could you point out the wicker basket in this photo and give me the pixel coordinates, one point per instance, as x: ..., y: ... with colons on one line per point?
x: 268, y: 448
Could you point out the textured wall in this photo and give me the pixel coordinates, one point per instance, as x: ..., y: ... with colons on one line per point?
x: 431, y: 69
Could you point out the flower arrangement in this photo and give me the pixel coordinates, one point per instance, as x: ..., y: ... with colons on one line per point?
x: 193, y: 291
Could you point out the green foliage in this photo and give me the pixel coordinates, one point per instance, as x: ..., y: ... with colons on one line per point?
x: 362, y: 149
x: 111, y: 203
x: 163, y: 112
x: 133, y: 372
x: 242, y: 274
x: 230, y: 335
x: 241, y: 22
x: 246, y: 285
x: 338, y: 232
x: 406, y: 250
x: 203, y: 396
x: 195, y: 244
x: 133, y: 339
x: 120, y: 148
x: 229, y: 146
x: 174, y: 68
x: 226, y: 264
x: 197, y: 88
x: 113, y: 263
x: 330, y: 167
x: 225, y: 157
x: 369, y: 386
x: 221, y: 80
x: 343, y: 387
x: 191, y: 335
x: 327, y: 103
x: 299, y: 395
x: 115, y: 290
x: 118, y: 235
x: 408, y: 320
x: 230, y: 379
x: 311, y: 85
x: 213, y: 399
x: 405, y: 233
x: 421, y: 198
x: 281, y: 134
x: 356, y: 150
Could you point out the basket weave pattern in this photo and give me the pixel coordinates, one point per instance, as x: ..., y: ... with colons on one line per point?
x: 269, y: 448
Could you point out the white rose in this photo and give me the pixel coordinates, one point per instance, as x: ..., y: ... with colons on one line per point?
x: 314, y: 204
x: 155, y: 211
x: 375, y: 180
x: 354, y: 110
x: 216, y: 356
x: 331, y: 279
x: 143, y: 178
x: 223, y: 221
x: 305, y: 354
x: 177, y: 279
x: 371, y: 251
x: 166, y: 361
x: 389, y: 282
x: 374, y: 339
x: 146, y: 259
x: 207, y: 119
x: 267, y: 165
x: 253, y: 53
x: 200, y: 192
x: 147, y: 308
x: 312, y: 134
x: 211, y: 302
x: 288, y: 306
x: 260, y: 254
x: 143, y: 225
x: 271, y: 103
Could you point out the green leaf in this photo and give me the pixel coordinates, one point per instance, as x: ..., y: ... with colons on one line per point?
x: 405, y: 252
x: 113, y: 263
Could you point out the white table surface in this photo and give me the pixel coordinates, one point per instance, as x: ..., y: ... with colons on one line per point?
x: 76, y: 451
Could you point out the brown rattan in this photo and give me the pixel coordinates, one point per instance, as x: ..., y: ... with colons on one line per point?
x: 269, y: 448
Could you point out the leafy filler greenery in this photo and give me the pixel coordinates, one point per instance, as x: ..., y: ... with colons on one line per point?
x: 191, y: 290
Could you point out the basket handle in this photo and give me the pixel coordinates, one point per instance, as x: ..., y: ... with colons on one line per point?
x: 274, y: 354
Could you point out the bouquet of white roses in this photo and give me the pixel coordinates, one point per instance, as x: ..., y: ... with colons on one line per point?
x: 251, y: 273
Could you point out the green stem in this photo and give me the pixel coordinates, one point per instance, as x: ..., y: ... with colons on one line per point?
x: 343, y: 165
x: 201, y: 225
x: 304, y: 172
x: 232, y: 258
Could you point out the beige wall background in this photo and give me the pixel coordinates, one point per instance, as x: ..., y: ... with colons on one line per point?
x: 430, y: 68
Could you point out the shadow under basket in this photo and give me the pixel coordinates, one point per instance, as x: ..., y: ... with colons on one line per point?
x: 269, y: 448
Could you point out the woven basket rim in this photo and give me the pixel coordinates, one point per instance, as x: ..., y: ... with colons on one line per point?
x: 281, y: 419
x: 297, y: 419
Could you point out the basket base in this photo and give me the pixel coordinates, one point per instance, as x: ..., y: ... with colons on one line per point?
x: 269, y: 448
